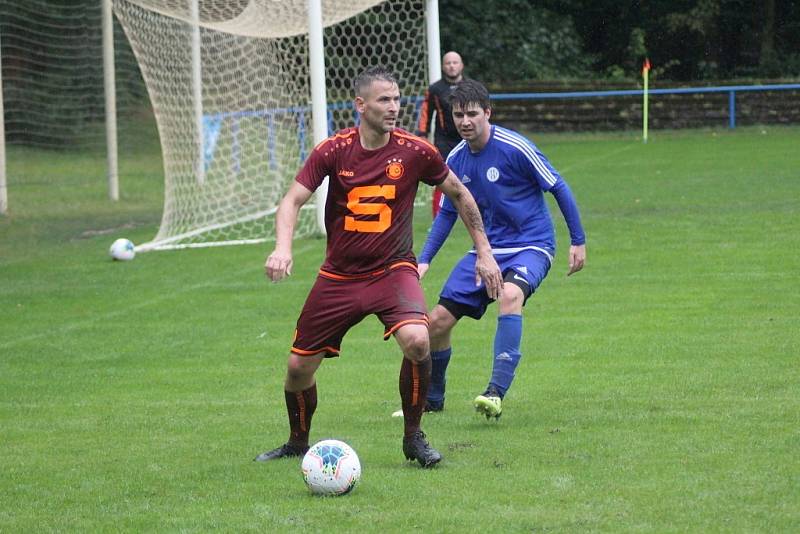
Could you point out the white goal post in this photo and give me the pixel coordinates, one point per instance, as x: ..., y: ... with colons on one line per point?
x: 243, y: 90
x: 67, y: 71
x: 3, y: 182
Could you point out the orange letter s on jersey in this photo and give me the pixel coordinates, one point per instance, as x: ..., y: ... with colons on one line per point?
x: 382, y: 210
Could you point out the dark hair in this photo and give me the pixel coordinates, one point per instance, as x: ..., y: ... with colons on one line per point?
x: 470, y: 92
x: 370, y: 75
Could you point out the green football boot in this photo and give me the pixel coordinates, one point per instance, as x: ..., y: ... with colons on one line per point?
x: 489, y: 404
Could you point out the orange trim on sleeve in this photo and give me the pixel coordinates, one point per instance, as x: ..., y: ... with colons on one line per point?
x: 415, y: 138
x: 392, y: 330
x: 344, y: 134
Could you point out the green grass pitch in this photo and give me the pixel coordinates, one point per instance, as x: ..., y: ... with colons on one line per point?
x: 659, y: 389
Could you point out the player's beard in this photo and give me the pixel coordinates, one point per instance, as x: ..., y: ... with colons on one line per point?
x: 388, y: 126
x: 383, y: 125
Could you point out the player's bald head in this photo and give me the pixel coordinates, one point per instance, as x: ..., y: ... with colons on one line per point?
x: 452, y: 66
x: 364, y: 81
x: 452, y: 56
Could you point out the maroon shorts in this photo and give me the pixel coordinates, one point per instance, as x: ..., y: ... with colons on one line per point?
x: 336, y: 303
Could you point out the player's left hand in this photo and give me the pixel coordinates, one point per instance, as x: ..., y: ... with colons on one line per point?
x: 486, y: 269
x: 577, y: 258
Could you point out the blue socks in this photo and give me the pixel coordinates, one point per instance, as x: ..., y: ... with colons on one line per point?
x: 506, y: 352
x: 506, y: 359
x: 439, y: 361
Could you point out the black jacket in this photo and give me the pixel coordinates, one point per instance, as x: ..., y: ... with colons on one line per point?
x: 437, y: 98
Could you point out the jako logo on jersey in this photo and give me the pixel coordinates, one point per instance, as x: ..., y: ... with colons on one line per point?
x: 492, y: 174
x: 395, y: 170
x: 343, y: 172
x: 466, y: 179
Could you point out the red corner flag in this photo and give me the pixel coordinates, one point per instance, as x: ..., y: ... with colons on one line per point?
x: 646, y: 65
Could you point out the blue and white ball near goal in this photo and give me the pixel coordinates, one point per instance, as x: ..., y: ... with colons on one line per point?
x: 122, y: 250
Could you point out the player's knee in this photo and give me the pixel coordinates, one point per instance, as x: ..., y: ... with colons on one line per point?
x: 441, y: 322
x: 299, y: 370
x: 416, y: 346
x: 512, y: 293
x: 512, y: 298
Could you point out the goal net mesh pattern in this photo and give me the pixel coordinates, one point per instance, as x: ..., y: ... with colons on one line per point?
x: 228, y: 162
x: 52, y: 61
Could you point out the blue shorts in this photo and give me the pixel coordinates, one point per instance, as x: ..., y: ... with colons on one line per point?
x: 471, y: 300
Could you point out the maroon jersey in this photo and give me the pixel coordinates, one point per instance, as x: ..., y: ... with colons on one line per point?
x: 369, y: 210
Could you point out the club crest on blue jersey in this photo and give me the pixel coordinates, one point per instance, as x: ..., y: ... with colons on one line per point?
x: 492, y: 174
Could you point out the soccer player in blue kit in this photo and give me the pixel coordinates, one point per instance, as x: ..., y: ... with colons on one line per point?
x: 507, y: 175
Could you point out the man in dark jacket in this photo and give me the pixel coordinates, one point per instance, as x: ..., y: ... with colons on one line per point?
x: 437, y: 99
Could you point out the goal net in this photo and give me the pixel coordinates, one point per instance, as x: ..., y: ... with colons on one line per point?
x: 230, y: 87
x: 52, y: 61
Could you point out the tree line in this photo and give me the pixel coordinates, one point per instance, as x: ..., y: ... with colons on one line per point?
x: 503, y: 42
x: 517, y: 40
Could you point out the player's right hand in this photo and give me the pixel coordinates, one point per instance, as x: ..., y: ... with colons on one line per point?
x: 278, y: 265
x: 422, y: 268
x: 577, y: 258
x: 487, y: 270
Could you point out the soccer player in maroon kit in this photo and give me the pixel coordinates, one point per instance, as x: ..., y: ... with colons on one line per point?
x: 369, y: 268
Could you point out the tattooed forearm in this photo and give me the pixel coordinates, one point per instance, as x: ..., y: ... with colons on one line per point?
x: 468, y: 210
x: 472, y: 218
x: 466, y: 206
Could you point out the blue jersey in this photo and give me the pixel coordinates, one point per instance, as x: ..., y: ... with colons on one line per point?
x: 507, y: 178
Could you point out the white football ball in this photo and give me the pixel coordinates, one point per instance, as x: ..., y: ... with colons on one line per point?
x: 122, y: 249
x: 331, y: 467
